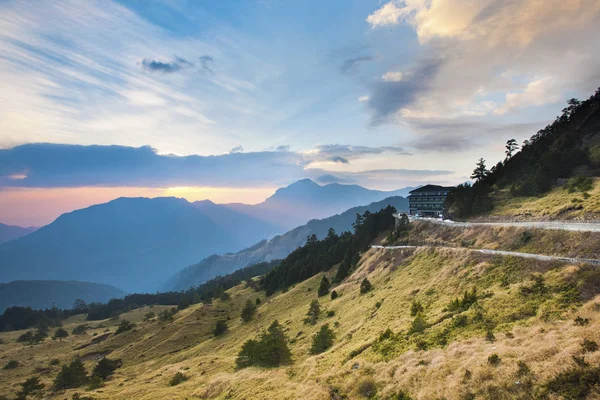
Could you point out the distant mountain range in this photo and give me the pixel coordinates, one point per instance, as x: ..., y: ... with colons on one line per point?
x: 10, y: 232
x: 137, y: 243
x: 276, y: 248
x: 62, y: 294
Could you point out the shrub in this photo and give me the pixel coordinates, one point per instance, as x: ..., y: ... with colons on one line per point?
x: 418, y: 325
x: 270, y: 350
x: 580, y: 183
x: 60, y: 334
x: 589, y: 346
x: 124, y: 326
x: 30, y: 386
x: 323, y: 286
x: 522, y: 369
x: 12, y: 364
x: 365, y: 286
x: 538, y: 287
x: 257, y: 302
x: 367, y: 387
x: 334, y: 295
x: 54, y: 361
x: 33, y: 338
x: 248, y: 311
x: 415, y: 308
x: 579, y: 321
x: 167, y: 315
x: 220, y: 328
x: 79, y: 330
x: 489, y: 336
x: 576, y: 383
x: 322, y: 340
x: 71, y: 376
x: 460, y: 321
x: 95, y: 383
x: 468, y: 299
x: 400, y: 396
x: 177, y: 379
x: 106, y: 367
x: 314, y: 311
x: 494, y: 360
x: 330, y: 313
x: 149, y: 315
x: 224, y: 296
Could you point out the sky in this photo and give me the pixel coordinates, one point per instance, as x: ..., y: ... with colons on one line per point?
x: 229, y: 100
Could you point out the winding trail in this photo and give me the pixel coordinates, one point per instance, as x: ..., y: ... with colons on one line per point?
x: 540, y: 257
x: 556, y: 225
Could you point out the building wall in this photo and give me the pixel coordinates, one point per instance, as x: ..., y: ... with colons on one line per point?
x: 427, y: 203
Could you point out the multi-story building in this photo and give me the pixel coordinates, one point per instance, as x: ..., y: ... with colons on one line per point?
x: 428, y: 201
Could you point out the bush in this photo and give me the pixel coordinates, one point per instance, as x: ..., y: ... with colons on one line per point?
x: 167, y: 315
x: 54, y: 361
x: 334, y: 295
x: 149, y: 315
x: 106, y: 367
x: 494, y: 360
x: 576, y: 383
x: 579, y: 321
x: 522, y: 369
x: 220, y: 328
x: 322, y: 340
x: 367, y: 387
x: 580, y: 183
x: 460, y: 321
x: 257, y: 302
x: 71, y: 376
x: 365, y: 286
x: 124, y: 326
x: 589, y: 346
x: 60, y: 334
x: 314, y: 311
x: 12, y: 364
x: 79, y: 330
x: 468, y: 299
x: 248, y: 311
x: 418, y: 325
x: 490, y: 337
x: 270, y: 350
x: 323, y: 286
x: 30, y: 386
x: 177, y: 379
x: 415, y: 308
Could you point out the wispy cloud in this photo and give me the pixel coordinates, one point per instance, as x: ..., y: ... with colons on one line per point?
x: 166, y: 67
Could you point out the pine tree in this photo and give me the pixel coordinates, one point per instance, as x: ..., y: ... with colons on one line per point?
x: 314, y: 311
x: 511, y: 146
x: 324, y: 286
x: 30, y: 386
x: 322, y: 340
x: 60, y: 334
x: 71, y: 376
x: 248, y: 311
x: 220, y: 328
x: 365, y: 286
x: 480, y: 171
x: 106, y: 367
x: 270, y: 350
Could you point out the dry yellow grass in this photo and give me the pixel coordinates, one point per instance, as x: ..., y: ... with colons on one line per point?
x: 557, y: 204
x: 155, y: 351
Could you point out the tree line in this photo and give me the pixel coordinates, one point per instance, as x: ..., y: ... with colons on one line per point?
x: 552, y: 153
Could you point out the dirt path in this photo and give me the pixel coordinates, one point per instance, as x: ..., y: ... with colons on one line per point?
x: 559, y: 225
x: 540, y: 257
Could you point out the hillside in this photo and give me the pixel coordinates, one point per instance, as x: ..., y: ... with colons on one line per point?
x: 132, y: 243
x: 10, y: 232
x: 553, y: 175
x: 276, y: 248
x: 435, y: 324
x: 46, y: 294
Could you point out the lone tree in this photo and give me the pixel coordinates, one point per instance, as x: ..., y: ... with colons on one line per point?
x: 511, y: 146
x: 480, y: 171
x: 124, y: 326
x: 220, y: 328
x: 248, y: 311
x: 324, y: 286
x: 106, y: 367
x: 270, y: 350
x: 322, y: 340
x: 30, y: 386
x: 71, y: 376
x: 60, y: 334
x: 314, y: 310
x: 365, y: 286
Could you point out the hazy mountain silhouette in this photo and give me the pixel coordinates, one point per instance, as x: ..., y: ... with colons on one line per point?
x: 62, y: 294
x: 304, y: 200
x: 133, y: 243
x: 10, y: 232
x: 276, y: 248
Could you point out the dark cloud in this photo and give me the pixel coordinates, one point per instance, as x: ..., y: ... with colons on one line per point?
x: 285, y: 147
x: 57, y: 165
x: 339, y: 160
x: 350, y: 65
x: 236, y: 149
x: 387, y: 97
x: 205, y: 62
x: 326, y: 179
x: 166, y: 67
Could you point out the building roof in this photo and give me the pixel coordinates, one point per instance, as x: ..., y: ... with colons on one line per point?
x: 432, y: 188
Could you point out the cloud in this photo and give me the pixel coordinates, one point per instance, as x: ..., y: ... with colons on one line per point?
x: 385, y: 178
x: 284, y: 147
x: 389, y: 14
x: 537, y: 92
x: 205, y: 62
x: 237, y: 149
x: 363, y: 98
x: 350, y: 65
x: 392, y: 76
x: 166, y: 67
x: 339, y: 160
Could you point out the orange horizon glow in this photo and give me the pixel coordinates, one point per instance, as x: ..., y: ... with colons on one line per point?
x: 40, y: 206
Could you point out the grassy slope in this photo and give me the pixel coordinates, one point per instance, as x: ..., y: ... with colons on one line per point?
x: 556, y: 204
x: 545, y: 336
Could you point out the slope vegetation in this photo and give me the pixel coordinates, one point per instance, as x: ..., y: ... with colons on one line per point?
x: 434, y: 324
